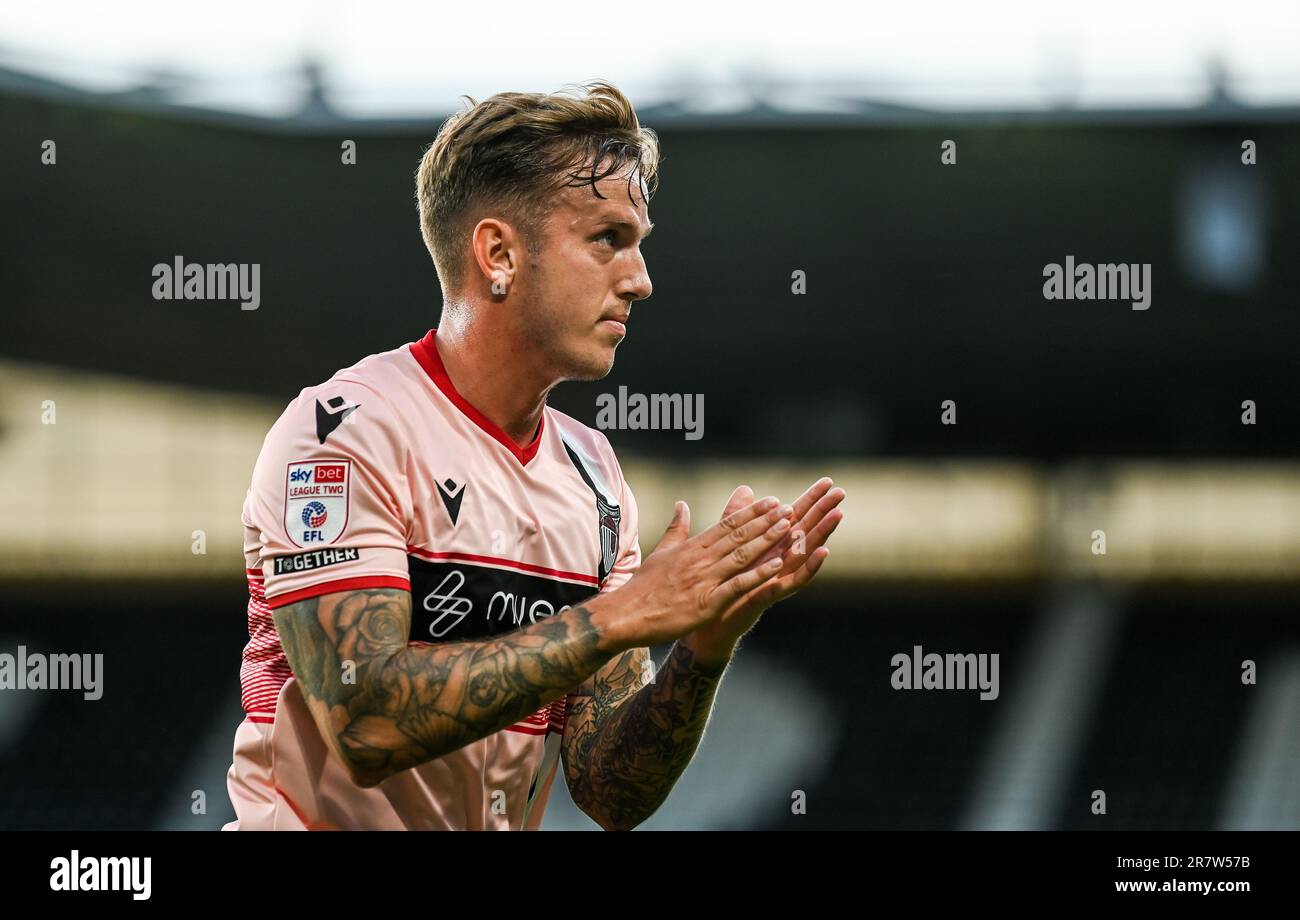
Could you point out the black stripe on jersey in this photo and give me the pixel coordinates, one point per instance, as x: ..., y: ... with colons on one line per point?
x: 608, y: 516
x: 455, y: 601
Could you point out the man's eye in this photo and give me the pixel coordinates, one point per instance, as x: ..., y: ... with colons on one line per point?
x: 612, y: 236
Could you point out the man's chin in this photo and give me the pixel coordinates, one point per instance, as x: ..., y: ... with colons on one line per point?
x: 594, y: 366
x: 595, y: 373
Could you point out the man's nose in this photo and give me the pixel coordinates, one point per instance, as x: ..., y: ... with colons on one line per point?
x: 636, y: 285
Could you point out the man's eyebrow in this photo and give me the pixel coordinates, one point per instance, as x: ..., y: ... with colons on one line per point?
x: 625, y: 225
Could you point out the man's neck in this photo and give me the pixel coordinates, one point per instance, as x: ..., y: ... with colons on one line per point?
x: 492, y: 373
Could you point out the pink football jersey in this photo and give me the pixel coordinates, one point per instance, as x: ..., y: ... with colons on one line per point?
x: 385, y: 477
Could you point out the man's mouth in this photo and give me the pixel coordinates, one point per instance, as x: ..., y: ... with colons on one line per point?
x: 615, y: 322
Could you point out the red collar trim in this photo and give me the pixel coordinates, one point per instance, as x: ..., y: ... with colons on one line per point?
x: 425, y: 352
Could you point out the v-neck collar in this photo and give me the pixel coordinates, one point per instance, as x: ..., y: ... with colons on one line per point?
x: 426, y: 354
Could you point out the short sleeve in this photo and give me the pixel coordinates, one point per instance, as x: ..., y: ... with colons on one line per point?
x: 325, y: 511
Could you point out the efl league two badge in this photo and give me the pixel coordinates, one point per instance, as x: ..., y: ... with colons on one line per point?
x: 316, y: 501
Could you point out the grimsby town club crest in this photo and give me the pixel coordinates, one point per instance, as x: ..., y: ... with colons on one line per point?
x: 607, y: 515
x: 609, y: 521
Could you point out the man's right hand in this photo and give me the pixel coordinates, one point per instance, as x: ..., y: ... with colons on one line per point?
x: 688, y: 581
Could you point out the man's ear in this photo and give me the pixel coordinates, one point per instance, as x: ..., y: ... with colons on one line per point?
x: 492, y: 244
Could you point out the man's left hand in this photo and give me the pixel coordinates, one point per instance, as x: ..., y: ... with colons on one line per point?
x: 814, y: 518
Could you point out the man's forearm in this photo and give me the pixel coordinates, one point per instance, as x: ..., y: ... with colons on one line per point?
x: 410, y: 704
x: 640, y: 747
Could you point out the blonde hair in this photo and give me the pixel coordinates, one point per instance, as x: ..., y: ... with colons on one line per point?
x: 511, y: 152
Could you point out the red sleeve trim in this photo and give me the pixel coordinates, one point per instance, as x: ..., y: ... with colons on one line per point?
x: 342, y: 584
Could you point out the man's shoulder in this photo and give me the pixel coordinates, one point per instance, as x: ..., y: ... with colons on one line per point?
x: 573, y: 431
x: 356, y: 399
x: 590, y: 444
x: 374, y: 378
x: 378, y: 373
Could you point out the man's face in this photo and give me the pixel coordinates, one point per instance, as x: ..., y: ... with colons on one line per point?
x: 580, y: 287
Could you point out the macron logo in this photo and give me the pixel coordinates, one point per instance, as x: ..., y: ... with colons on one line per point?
x: 451, y: 496
x: 331, y: 415
x: 103, y: 873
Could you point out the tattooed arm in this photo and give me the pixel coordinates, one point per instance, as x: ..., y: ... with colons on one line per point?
x: 626, y: 743
x: 629, y: 735
x: 410, y: 704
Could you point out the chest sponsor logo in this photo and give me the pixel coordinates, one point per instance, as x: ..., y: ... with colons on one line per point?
x: 316, y: 501
x: 455, y: 601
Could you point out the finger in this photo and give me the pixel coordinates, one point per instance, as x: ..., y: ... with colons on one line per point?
x: 765, y: 595
x: 810, y: 497
x: 794, y: 546
x: 739, y: 585
x: 763, y: 533
x: 783, y: 546
x: 815, y: 562
x: 780, y: 586
x: 737, y: 519
x: 814, y: 525
x: 807, y: 570
x: 749, y: 531
x: 741, y: 497
x: 820, y: 509
x: 822, y: 532
x: 679, y: 528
